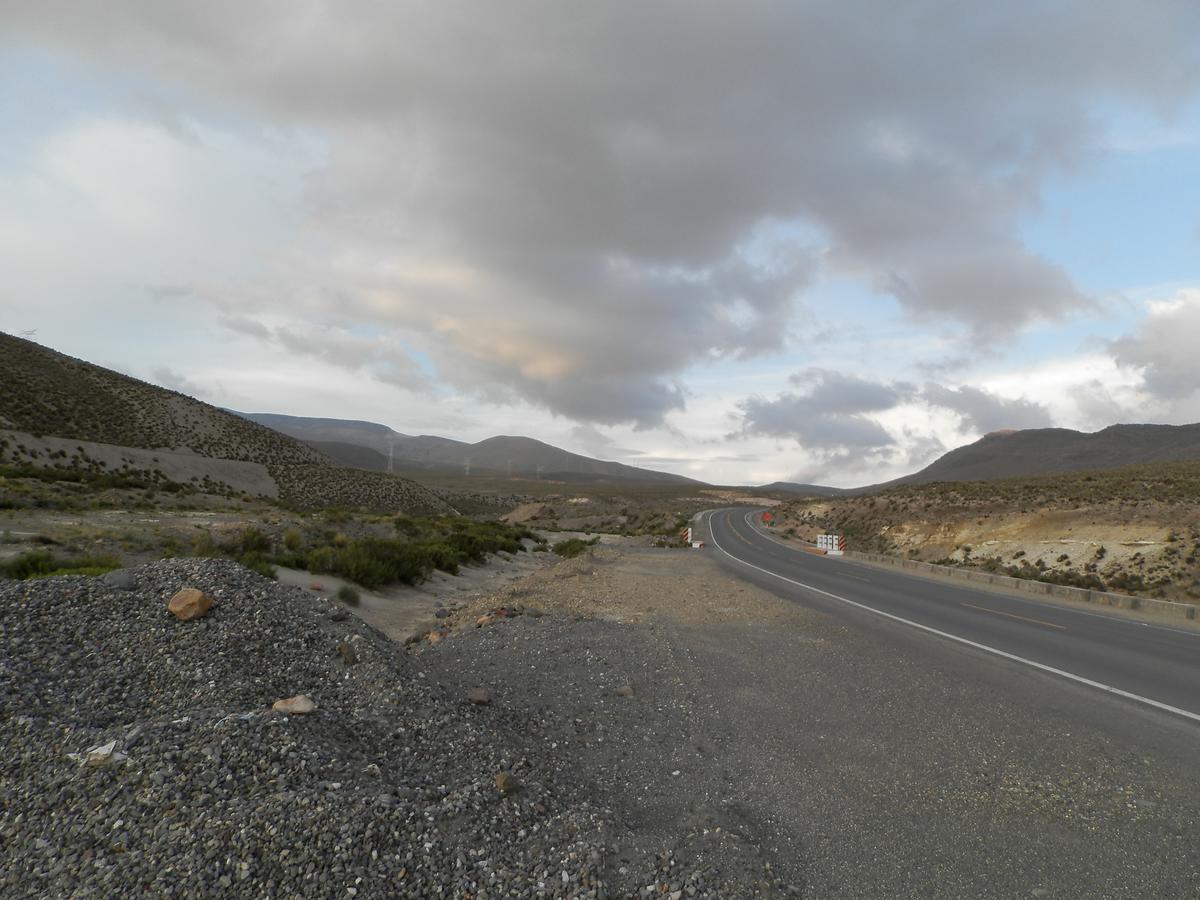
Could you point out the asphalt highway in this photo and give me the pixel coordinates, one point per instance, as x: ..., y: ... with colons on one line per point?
x: 1145, y: 663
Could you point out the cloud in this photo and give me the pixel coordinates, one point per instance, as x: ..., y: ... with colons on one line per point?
x: 573, y: 206
x: 982, y: 412
x: 835, y: 415
x: 169, y: 378
x: 1163, y: 348
x: 829, y: 414
x: 381, y: 356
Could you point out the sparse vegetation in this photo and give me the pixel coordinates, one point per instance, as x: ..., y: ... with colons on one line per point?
x: 569, y: 549
x: 44, y: 564
x: 1134, y: 526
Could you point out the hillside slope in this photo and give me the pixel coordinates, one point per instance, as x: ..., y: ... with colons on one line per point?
x: 1134, y: 529
x: 501, y: 455
x: 47, y: 393
x: 1046, y: 451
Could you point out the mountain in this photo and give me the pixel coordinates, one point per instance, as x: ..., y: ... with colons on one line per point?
x: 806, y: 490
x: 57, y: 411
x: 502, y: 455
x: 1047, y: 451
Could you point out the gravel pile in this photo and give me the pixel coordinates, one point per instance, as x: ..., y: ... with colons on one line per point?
x: 141, y: 754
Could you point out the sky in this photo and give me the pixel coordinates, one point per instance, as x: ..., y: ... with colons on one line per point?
x: 811, y: 241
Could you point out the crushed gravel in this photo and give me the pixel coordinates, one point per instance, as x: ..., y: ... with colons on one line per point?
x: 389, y: 787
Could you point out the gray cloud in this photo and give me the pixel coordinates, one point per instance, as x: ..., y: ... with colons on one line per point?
x: 1163, y: 348
x: 381, y: 357
x: 169, y: 378
x: 574, y: 204
x: 982, y: 411
x: 829, y: 414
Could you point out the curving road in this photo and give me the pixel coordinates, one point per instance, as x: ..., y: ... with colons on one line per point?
x: 1152, y: 664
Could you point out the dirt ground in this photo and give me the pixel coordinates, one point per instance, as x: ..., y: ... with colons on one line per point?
x: 634, y: 584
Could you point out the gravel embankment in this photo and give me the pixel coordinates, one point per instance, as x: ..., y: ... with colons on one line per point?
x: 388, y: 788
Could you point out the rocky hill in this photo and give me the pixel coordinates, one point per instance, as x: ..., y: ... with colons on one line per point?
x: 49, y: 396
x: 1045, y: 451
x: 501, y: 455
x: 1134, y: 529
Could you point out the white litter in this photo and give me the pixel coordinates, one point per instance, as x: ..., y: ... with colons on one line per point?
x: 100, y: 755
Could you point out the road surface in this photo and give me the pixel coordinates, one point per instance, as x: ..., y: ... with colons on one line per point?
x: 1145, y: 663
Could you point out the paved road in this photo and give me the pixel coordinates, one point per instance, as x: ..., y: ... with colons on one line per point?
x: 1150, y: 664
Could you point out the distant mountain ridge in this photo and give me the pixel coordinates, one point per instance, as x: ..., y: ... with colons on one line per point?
x: 803, y: 490
x: 346, y: 439
x: 1046, y: 451
x: 1013, y: 453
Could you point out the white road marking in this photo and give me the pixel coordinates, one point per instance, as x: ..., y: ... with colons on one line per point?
x: 1138, y: 698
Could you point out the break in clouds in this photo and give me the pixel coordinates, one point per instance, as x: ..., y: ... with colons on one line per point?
x: 573, y: 204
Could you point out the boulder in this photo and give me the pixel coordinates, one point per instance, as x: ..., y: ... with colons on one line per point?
x: 506, y: 782
x: 189, y: 604
x: 346, y: 651
x: 625, y: 690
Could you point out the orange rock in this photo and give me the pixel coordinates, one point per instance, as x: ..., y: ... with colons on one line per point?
x: 484, y: 620
x: 506, y: 782
x: 300, y: 705
x: 189, y: 604
x: 435, y: 637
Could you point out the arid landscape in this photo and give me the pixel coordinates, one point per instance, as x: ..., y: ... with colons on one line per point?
x: 599, y: 451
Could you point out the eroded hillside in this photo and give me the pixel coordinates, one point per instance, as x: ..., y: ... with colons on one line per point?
x: 1133, y: 529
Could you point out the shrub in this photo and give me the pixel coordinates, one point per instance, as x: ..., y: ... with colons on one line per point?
x: 573, y: 547
x: 44, y: 564
x: 348, y: 595
x: 293, y: 540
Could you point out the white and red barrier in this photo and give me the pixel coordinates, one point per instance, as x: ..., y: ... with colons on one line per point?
x: 832, y: 544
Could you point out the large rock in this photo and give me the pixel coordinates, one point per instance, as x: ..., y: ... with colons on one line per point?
x: 189, y: 604
x: 300, y: 705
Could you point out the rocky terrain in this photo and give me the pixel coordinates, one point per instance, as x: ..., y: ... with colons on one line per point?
x: 142, y: 754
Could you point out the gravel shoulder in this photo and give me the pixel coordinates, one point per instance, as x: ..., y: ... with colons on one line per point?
x: 778, y: 749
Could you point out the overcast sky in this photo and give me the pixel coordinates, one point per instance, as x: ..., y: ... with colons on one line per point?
x: 817, y: 241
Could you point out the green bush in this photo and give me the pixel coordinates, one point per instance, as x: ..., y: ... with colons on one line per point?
x: 348, y: 595
x: 573, y: 547
x: 44, y: 564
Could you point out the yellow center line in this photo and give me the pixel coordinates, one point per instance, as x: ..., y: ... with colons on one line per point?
x: 1014, y: 616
